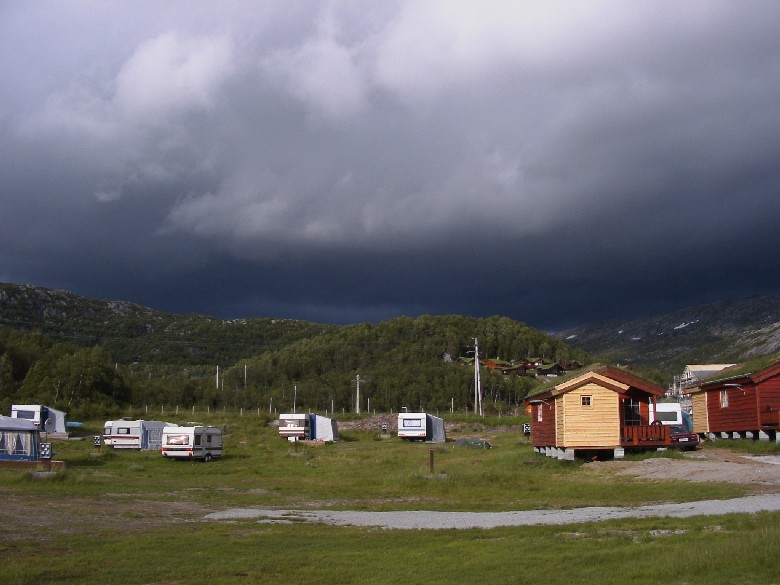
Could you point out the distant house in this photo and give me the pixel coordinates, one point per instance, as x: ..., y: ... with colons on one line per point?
x: 551, y: 370
x: 519, y: 370
x: 572, y: 365
x: 694, y: 374
x: 19, y: 440
x: 740, y: 402
x: 601, y: 409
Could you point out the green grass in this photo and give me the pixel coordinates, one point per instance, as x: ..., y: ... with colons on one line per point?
x: 747, y: 446
x: 359, y: 472
x: 104, y: 525
x: 728, y: 550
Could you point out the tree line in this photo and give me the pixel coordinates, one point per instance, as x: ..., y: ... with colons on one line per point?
x: 404, y: 362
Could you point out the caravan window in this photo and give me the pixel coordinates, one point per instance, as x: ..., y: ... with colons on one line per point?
x: 28, y: 414
x: 412, y: 423
x: 197, y: 440
x: 123, y: 431
x: 107, y: 430
x: 178, y: 440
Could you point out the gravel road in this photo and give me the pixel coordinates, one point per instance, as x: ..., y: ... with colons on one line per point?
x: 409, y: 520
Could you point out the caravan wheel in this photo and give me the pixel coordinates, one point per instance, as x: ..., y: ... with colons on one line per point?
x: 207, y: 457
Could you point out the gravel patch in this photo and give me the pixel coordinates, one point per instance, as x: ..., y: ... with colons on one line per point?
x: 415, y: 520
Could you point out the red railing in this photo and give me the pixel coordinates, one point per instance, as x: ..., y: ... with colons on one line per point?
x: 645, y: 436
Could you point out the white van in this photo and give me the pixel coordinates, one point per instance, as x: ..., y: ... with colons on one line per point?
x: 198, y: 442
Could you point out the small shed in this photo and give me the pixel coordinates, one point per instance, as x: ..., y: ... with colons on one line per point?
x: 740, y: 402
x: 601, y: 409
x: 19, y: 440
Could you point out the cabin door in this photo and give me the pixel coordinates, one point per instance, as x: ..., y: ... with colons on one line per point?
x: 631, y: 412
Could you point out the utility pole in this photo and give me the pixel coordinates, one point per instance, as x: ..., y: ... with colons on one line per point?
x: 477, y: 381
x: 357, y: 400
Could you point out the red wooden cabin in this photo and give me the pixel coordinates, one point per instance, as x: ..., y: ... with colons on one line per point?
x: 740, y: 405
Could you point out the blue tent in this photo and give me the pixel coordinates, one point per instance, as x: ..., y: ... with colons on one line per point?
x: 19, y: 440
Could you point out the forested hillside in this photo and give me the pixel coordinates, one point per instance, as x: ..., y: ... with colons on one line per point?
x: 57, y: 349
x: 131, y: 333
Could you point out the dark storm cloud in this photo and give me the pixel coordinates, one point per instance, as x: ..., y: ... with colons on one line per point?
x: 556, y: 163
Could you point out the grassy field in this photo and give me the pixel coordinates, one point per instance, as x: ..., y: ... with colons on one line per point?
x: 130, y: 517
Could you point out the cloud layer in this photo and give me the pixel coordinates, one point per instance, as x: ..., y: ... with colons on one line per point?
x: 335, y: 161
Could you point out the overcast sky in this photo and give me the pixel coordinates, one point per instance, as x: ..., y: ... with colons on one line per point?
x: 555, y: 162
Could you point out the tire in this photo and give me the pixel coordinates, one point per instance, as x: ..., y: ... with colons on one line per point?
x: 207, y: 457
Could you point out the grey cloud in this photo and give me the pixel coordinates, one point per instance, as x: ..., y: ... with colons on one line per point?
x: 488, y: 158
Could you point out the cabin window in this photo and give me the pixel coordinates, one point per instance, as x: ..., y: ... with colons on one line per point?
x: 724, y: 398
x: 585, y: 400
x: 539, y: 410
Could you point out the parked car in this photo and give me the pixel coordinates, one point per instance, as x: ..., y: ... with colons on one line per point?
x: 682, y: 438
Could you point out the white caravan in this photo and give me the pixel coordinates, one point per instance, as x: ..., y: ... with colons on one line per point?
x: 46, y: 418
x: 107, y: 432
x: 670, y: 413
x: 294, y: 427
x: 196, y: 442
x: 308, y: 427
x: 138, y: 434
x: 419, y: 426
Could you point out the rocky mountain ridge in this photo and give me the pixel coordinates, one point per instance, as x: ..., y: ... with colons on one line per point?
x: 719, y: 332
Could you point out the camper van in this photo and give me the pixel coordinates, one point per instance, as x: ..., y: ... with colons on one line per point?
x: 138, y: 434
x: 47, y: 419
x: 420, y: 426
x: 196, y: 442
x: 308, y: 427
